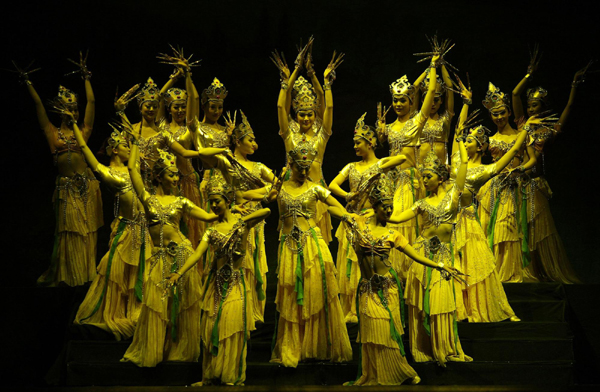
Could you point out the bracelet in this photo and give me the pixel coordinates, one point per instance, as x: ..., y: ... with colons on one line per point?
x: 527, y: 76
x: 135, y: 142
x: 441, y: 265
x: 345, y: 218
x: 327, y: 86
x: 527, y: 128
x: 120, y: 112
x: 467, y: 101
x: 284, y: 86
x: 310, y: 73
x: 28, y: 82
x: 575, y: 83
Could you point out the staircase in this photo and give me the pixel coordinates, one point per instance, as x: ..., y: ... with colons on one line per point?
x: 536, y: 351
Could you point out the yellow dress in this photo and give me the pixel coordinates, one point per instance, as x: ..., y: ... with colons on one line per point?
x: 346, y: 261
x: 484, y: 300
x: 311, y: 322
x: 78, y: 210
x: 549, y: 260
x: 227, y: 311
x: 435, y: 137
x: 407, y: 184
x: 431, y: 298
x: 381, y: 316
x: 498, y: 213
x: 291, y: 137
x: 168, y: 327
x: 114, y: 299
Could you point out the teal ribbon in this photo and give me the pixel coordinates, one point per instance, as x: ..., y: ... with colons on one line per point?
x: 299, y: 288
x: 426, y: 307
x: 174, y: 306
x: 492, y: 223
x: 400, y: 297
x: 359, y: 374
x: 111, y: 254
x: 524, y: 229
x: 324, y: 282
x: 214, y: 336
x: 139, y: 282
x: 241, y: 363
x: 348, y: 261
x: 393, y: 331
x: 260, y: 292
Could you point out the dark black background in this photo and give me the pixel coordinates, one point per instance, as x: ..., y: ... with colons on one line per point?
x: 234, y: 40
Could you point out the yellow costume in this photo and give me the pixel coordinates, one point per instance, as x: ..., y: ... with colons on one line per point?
x: 228, y: 310
x: 430, y: 297
x: 114, y: 299
x: 435, y: 137
x: 381, y: 318
x: 168, y: 328
x: 78, y: 210
x: 484, y: 298
x: 407, y: 184
x: 311, y: 322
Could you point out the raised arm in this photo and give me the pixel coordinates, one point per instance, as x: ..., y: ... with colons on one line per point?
x: 428, y: 101
x: 449, y: 92
x: 510, y: 154
x: 329, y: 77
x: 42, y: 116
x: 285, y: 93
x: 517, y: 104
x: 256, y: 217
x: 391, y: 162
x: 193, y: 100
x: 310, y: 72
x: 199, y: 214
x: 87, y: 153
x: 161, y: 112
x: 467, y: 97
x: 461, y: 176
x: 90, y: 106
x: 133, y: 165
x: 577, y: 79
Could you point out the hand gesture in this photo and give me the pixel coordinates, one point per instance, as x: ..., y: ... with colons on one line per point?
x: 230, y: 123
x: 534, y: 59
x: 178, y: 59
x: 329, y: 74
x: 241, y: 209
x: 64, y: 110
x: 279, y: 61
x: 23, y: 72
x: 82, y: 65
x: 122, y: 102
x: 465, y: 93
x: 581, y: 74
x: 308, y: 62
x: 381, y: 113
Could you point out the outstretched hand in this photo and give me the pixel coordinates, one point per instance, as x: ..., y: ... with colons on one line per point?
x: 381, y: 113
x: 335, y: 62
x: 229, y: 122
x: 82, y: 65
x: 122, y: 102
x: 534, y: 59
x: 279, y: 60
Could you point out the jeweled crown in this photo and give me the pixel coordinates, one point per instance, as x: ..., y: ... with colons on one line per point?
x: 218, y: 186
x: 165, y: 161
x: 480, y: 133
x: 303, y: 154
x: 362, y: 130
x: 216, y: 92
x: 242, y: 129
x: 113, y: 141
x: 440, y: 86
x: 494, y: 98
x: 175, y: 95
x: 403, y: 87
x: 381, y: 190
x: 66, y: 96
x: 432, y: 163
x: 304, y: 96
x: 149, y: 92
x: 538, y: 94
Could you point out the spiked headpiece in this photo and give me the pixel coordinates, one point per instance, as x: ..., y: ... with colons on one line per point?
x: 218, y: 186
x: 440, y: 86
x: 66, y: 96
x: 304, y: 96
x: 242, y: 129
x: 538, y: 94
x: 216, y: 92
x: 148, y: 93
x: 166, y: 161
x: 113, y: 141
x: 381, y: 190
x: 364, y: 131
x: 303, y: 154
x: 494, y: 98
x: 403, y: 87
x: 432, y: 163
x: 480, y: 134
x: 175, y: 95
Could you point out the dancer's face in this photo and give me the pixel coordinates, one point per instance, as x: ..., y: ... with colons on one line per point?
x: 384, y: 210
x: 431, y: 180
x: 213, y: 110
x: 401, y: 105
x: 500, y: 116
x: 247, y: 145
x: 534, y: 107
x: 122, y: 150
x: 472, y: 146
x: 306, y: 119
x: 361, y: 147
x: 218, y: 204
x: 149, y: 109
x: 169, y: 180
x: 435, y: 106
x: 300, y: 172
x: 178, y: 111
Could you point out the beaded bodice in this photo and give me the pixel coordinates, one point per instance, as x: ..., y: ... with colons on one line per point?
x: 355, y: 177
x: 228, y: 246
x: 406, y: 135
x: 149, y: 146
x: 292, y: 137
x: 303, y: 205
x: 207, y: 136
x: 438, y: 131
x: 442, y: 213
x: 538, y: 137
x: 169, y: 214
x: 499, y: 147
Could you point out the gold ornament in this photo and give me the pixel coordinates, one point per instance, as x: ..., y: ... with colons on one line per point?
x: 433, y: 164
x: 218, y: 186
x: 148, y: 93
x: 304, y: 96
x: 361, y: 130
x: 538, y: 94
x: 242, y: 129
x: 216, y: 92
x: 382, y: 190
x: 495, y: 99
x: 165, y: 161
x: 66, y: 97
x: 175, y: 95
x: 402, y: 87
x: 113, y: 141
x: 303, y: 154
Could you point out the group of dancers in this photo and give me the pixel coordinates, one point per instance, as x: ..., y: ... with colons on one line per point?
x: 426, y: 238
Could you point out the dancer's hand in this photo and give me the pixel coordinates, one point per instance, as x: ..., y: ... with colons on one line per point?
x: 122, y: 102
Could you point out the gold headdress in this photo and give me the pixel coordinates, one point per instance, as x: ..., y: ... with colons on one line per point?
x: 495, y: 98
x: 304, y: 96
x: 538, y: 94
x: 113, y: 141
x: 403, y: 87
x: 216, y: 92
x: 432, y: 163
x: 66, y: 96
x: 174, y: 95
x: 218, y: 186
x: 480, y: 134
x: 165, y: 161
x: 381, y: 190
x: 242, y: 129
x: 361, y: 130
x: 149, y: 92
x: 303, y: 154
x: 440, y: 86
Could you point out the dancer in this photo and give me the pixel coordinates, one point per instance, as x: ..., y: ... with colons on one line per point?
x: 357, y: 173
x: 549, y: 260
x: 499, y: 206
x: 403, y: 137
x: 306, y: 106
x: 429, y: 296
x: 228, y: 317
x: 77, y: 199
x: 114, y: 298
x: 168, y: 327
x: 381, y: 301
x: 311, y: 322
